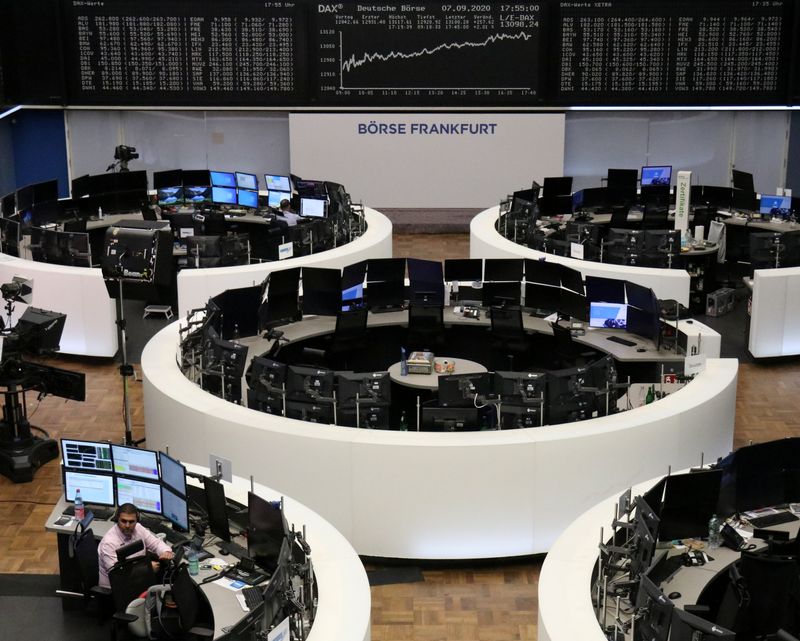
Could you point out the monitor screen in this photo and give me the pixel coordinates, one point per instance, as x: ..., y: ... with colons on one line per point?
x: 502, y: 269
x: 463, y: 270
x: 165, y: 179
x: 265, y: 532
x: 217, y: 512
x: 542, y: 272
x: 640, y: 296
x: 246, y: 181
x: 95, y: 488
x: 86, y: 455
x: 742, y: 180
x: 690, y: 500
x: 274, y: 198
x: 558, y: 186
x: 277, y: 183
x: 131, y: 461
x: 622, y: 179
x: 222, y: 179
x: 168, y: 196
x: 143, y: 494
x: 223, y: 195
x: 686, y: 626
x: 247, y: 199
x: 175, y: 508
x: 656, y: 175
x: 173, y: 474
x: 312, y: 208
x: 321, y: 291
x: 196, y: 194
x: 775, y: 205
x: 605, y: 290
x: 608, y: 315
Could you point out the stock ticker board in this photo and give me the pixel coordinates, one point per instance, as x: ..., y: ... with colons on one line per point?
x: 171, y: 52
x: 429, y: 53
x: 672, y: 52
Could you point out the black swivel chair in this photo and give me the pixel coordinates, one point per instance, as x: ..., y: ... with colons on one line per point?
x: 128, y: 579
x: 83, y: 546
x: 619, y: 217
x: 655, y: 217
x: 774, y: 589
x: 189, y: 601
x: 349, y: 335
x: 507, y: 335
x: 566, y: 352
x: 425, y: 326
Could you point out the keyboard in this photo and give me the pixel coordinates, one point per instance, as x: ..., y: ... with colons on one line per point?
x: 772, y: 519
x: 235, y: 549
x: 101, y: 513
x: 621, y: 341
x: 250, y: 598
x: 160, y: 527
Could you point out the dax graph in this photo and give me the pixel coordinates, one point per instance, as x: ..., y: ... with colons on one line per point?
x: 429, y: 53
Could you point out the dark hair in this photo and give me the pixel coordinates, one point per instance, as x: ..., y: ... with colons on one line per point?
x: 285, y: 203
x: 128, y: 508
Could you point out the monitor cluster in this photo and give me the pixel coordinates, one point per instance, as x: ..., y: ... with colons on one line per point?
x: 107, y: 474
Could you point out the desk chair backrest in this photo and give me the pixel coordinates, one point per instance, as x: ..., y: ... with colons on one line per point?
x: 507, y: 322
x: 619, y: 216
x: 84, y: 546
x: 772, y: 583
x: 129, y: 579
x: 426, y: 318
x: 186, y: 595
x: 350, y: 325
x: 655, y: 217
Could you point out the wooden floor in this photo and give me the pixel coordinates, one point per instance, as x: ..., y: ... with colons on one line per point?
x: 484, y: 602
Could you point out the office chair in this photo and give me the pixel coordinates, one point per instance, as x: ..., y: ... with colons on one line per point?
x: 772, y: 583
x: 425, y: 326
x: 128, y: 580
x: 349, y: 334
x: 619, y: 217
x: 83, y: 546
x: 566, y: 352
x: 148, y: 213
x: 507, y: 334
x: 655, y: 217
x: 188, y: 599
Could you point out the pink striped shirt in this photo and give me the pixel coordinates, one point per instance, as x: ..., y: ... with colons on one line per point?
x: 115, y: 539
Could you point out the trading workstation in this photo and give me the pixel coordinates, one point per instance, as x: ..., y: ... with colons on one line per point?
x: 250, y: 568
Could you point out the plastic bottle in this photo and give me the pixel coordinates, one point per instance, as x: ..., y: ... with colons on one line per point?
x: 403, y: 362
x: 80, y: 510
x: 194, y: 564
x: 403, y: 422
x: 100, y: 213
x: 714, y: 526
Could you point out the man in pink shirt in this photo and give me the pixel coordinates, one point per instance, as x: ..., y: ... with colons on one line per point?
x: 128, y: 530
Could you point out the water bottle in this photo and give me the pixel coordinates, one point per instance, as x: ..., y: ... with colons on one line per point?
x: 403, y: 362
x: 100, y: 213
x: 714, y: 526
x: 194, y: 564
x: 80, y: 511
x: 403, y: 422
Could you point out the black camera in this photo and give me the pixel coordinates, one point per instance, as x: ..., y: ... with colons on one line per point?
x: 124, y: 153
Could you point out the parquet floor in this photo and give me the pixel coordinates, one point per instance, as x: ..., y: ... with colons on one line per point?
x: 485, y: 602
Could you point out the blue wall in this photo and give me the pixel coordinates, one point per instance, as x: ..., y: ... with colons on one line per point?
x: 7, y: 174
x: 40, y: 148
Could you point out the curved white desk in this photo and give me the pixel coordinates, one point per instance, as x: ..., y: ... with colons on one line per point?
x: 440, y: 496
x: 486, y: 242
x: 775, y: 316
x: 196, y: 286
x: 78, y: 292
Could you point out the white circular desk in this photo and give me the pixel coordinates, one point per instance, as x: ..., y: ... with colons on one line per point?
x: 486, y: 242
x: 196, y: 286
x: 423, y: 495
x: 431, y: 381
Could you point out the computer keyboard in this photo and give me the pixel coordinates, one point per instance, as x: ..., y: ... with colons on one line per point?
x: 621, y: 341
x: 250, y: 598
x: 101, y: 513
x: 772, y: 519
x: 160, y: 527
x: 235, y: 549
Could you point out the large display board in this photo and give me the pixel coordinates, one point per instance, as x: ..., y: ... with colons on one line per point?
x: 167, y: 52
x: 400, y: 54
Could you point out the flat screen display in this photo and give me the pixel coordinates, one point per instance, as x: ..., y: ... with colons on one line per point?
x: 170, y: 196
x: 608, y: 315
x: 246, y: 181
x: 143, y: 494
x: 196, y: 194
x: 173, y: 473
x: 222, y: 179
x: 175, y: 508
x: 776, y: 205
x: 656, y: 175
x: 277, y: 183
x: 275, y: 198
x: 223, y: 195
x: 95, y: 488
x: 86, y: 455
x: 312, y: 208
x: 245, y: 198
x: 131, y: 461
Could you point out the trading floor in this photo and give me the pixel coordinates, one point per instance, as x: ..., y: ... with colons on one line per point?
x: 453, y: 601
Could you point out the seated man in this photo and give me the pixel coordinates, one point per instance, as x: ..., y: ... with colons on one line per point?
x: 127, y: 530
x: 287, y: 215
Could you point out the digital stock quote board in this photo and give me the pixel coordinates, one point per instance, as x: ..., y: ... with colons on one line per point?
x: 166, y: 52
x: 429, y: 53
x: 671, y: 52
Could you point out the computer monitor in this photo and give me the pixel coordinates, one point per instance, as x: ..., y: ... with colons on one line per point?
x: 501, y: 293
x: 86, y: 455
x: 246, y: 181
x: 217, y: 511
x: 166, y: 179
x: 449, y: 419
x: 8, y: 206
x: 132, y: 461
x: 145, y: 495
x: 608, y: 315
x: 742, y: 180
x: 623, y: 180
x: 173, y: 474
x: 232, y: 355
x: 266, y: 531
x: 313, y: 208
x: 689, y: 502
x: 502, y: 269
x: 460, y: 390
x: 267, y: 374
x: 542, y: 297
x: 374, y: 416
x: 203, y: 251
x: 643, y: 323
x: 644, y: 547
x: 385, y: 294
x: 277, y: 183
x: 520, y: 387
x: 640, y: 296
x: 196, y: 194
x: 310, y: 384
x: 605, y: 290
x: 321, y: 294
x: 570, y: 395
x: 463, y: 270
x: 321, y: 413
x: 222, y: 179
x: 721, y: 197
x: 571, y: 279
x: 247, y: 199
x: 196, y: 177
x: 656, y: 175
x: 426, y: 280
x: 95, y: 488
x: 371, y: 387
x: 655, y: 612
x: 516, y: 417
x: 573, y: 305
x: 274, y: 198
x: 223, y: 195
x: 557, y: 186
x: 169, y: 196
x: 775, y: 205
x: 690, y: 627
x: 543, y: 272
x: 175, y: 509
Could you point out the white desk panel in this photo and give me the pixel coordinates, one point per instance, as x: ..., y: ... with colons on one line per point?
x: 78, y: 292
x: 196, y: 286
x: 441, y: 496
x: 775, y: 316
x: 486, y: 242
